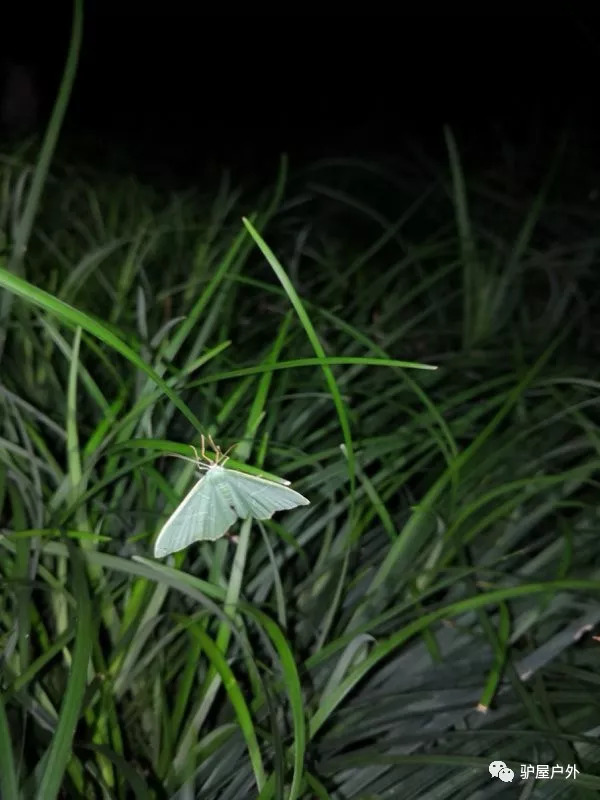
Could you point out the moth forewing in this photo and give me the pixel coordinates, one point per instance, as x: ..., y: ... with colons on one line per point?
x: 252, y: 496
x: 201, y: 516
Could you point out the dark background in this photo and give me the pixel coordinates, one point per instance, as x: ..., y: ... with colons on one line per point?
x: 178, y: 90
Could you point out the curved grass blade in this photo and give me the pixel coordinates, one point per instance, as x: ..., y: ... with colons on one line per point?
x: 75, y: 317
x: 315, y: 342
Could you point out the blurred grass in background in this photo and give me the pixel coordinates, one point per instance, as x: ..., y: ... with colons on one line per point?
x: 432, y: 610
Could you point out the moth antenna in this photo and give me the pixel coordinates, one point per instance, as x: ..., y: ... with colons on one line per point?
x: 229, y: 449
x: 212, y: 444
x: 216, y: 450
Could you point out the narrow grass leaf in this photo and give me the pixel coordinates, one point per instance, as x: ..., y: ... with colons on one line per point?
x: 61, y: 746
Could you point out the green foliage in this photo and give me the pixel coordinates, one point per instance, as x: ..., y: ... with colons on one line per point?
x: 423, y: 378
x: 448, y: 560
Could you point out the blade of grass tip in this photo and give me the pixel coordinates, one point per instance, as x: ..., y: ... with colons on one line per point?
x: 278, y: 194
x: 513, y: 268
x: 467, y: 240
x: 95, y: 327
x: 343, y: 361
x: 43, y: 162
x: 8, y: 774
x: 500, y: 643
x: 314, y: 340
x: 61, y: 745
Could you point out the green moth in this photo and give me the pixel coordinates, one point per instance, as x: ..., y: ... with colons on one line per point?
x: 219, y: 498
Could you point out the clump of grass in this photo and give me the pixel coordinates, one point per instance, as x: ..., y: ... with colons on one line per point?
x: 422, y: 616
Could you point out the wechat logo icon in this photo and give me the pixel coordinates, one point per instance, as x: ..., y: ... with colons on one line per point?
x: 498, y: 769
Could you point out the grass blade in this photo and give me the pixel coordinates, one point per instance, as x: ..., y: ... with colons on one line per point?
x: 59, y: 752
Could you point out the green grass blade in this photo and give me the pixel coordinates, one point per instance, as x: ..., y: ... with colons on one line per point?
x: 75, y: 317
x: 9, y: 786
x: 60, y: 749
x: 383, y: 649
x: 314, y: 340
x: 236, y: 696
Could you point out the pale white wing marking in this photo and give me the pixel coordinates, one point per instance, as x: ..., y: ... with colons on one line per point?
x: 256, y: 497
x: 204, y: 514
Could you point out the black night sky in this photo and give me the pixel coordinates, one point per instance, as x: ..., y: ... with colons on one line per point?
x: 179, y: 89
